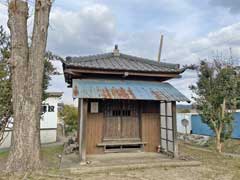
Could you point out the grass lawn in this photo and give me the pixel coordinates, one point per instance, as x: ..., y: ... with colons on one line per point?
x: 229, y: 146
x: 3, y: 159
x: 214, y: 167
x: 49, y: 156
x: 3, y: 155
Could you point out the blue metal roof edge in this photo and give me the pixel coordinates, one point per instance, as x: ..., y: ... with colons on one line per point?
x: 126, y: 89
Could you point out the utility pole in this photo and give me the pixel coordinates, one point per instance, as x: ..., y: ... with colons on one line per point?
x: 160, y: 49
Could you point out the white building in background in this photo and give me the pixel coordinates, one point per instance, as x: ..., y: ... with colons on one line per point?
x: 48, y: 122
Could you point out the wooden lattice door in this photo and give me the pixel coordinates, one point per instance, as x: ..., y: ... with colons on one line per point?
x: 167, y: 129
x: 121, y: 120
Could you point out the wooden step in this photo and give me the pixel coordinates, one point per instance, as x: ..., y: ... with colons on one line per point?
x: 122, y: 146
x: 116, y: 143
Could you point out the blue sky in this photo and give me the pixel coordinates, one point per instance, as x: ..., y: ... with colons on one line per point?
x: 192, y: 30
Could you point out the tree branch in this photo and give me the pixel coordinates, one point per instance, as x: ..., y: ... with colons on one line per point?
x: 38, y: 45
x: 190, y: 67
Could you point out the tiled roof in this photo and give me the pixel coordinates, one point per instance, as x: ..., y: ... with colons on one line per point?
x: 113, y: 61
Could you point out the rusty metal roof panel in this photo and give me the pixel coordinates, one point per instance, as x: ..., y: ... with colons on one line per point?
x: 125, y: 89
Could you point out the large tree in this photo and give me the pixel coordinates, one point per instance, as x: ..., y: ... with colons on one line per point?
x: 217, y: 89
x: 27, y: 66
x: 5, y: 81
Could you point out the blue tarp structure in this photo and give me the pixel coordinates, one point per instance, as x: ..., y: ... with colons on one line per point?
x: 236, y: 125
x: 198, y: 127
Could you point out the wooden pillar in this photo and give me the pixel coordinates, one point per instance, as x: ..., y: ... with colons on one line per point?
x: 78, y: 120
x: 174, y: 119
x: 83, y: 104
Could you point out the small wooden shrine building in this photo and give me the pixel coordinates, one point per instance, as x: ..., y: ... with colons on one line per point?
x: 124, y: 103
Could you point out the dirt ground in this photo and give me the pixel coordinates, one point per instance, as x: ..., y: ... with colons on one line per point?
x: 214, y: 166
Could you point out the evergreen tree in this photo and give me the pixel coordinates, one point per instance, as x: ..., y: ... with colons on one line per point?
x: 217, y: 89
x: 69, y: 114
x: 5, y: 82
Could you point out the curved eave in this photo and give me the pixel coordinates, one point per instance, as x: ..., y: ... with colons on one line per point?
x: 75, y: 66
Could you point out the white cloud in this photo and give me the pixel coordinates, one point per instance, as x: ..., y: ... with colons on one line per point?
x: 89, y: 30
x: 232, y: 5
x: 189, y: 78
x: 57, y: 84
x: 146, y: 44
x: 3, y: 15
x: 219, y: 41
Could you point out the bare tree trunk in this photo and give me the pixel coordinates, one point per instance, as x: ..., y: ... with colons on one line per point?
x: 218, y: 142
x: 27, y: 81
x: 218, y: 131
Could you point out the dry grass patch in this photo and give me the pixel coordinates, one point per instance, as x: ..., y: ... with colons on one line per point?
x: 214, y: 167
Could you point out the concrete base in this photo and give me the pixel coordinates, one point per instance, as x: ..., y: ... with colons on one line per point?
x: 98, y: 169
x: 122, y: 161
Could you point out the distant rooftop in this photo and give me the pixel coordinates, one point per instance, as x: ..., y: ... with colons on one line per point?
x: 54, y: 94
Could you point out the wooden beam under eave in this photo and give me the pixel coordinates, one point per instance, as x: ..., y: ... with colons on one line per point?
x: 122, y: 73
x: 69, y: 71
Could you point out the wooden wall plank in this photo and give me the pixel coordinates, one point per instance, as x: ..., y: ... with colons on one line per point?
x: 94, y: 133
x: 151, y: 131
